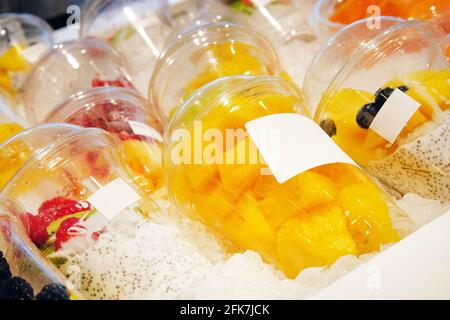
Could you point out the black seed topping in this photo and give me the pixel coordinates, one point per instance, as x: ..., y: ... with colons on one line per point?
x: 365, y: 116
x: 329, y: 126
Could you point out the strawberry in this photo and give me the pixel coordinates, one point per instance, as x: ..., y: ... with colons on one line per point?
x: 38, y: 229
x: 59, y: 207
x: 66, y: 231
x: 119, y: 82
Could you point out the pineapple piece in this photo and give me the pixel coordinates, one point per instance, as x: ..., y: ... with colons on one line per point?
x: 279, y: 209
x: 200, y: 177
x: 367, y: 217
x: 240, y: 169
x: 248, y: 228
x: 341, y: 174
x: 313, y: 240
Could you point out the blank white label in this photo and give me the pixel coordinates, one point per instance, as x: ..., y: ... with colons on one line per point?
x: 394, y: 115
x: 142, y: 129
x: 113, y: 198
x: 291, y: 144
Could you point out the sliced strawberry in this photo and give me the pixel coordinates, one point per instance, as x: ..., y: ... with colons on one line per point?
x: 119, y: 82
x: 37, y: 229
x: 68, y: 229
x: 59, y: 207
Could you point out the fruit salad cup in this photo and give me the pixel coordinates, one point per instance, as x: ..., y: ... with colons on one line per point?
x: 24, y: 39
x: 10, y: 123
x: 202, y: 54
x: 70, y: 68
x: 75, y: 190
x: 336, y: 53
x: 331, y: 15
x: 310, y: 220
x: 122, y: 112
x: 24, y: 273
x: 388, y: 109
x: 135, y: 28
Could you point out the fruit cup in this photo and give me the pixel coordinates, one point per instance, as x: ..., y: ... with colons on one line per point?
x: 202, y: 54
x: 135, y: 28
x: 74, y: 189
x: 70, y: 68
x: 122, y: 112
x: 10, y: 124
x: 336, y: 52
x: 331, y: 15
x: 24, y: 38
x: 388, y: 109
x: 24, y: 273
x: 318, y: 215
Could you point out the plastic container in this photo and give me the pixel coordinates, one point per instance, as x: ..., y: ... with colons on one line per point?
x: 10, y: 123
x: 331, y: 15
x: 202, y: 54
x: 22, y: 264
x: 406, y: 148
x: 237, y: 196
x: 136, y: 28
x: 76, y: 192
x: 122, y: 112
x: 336, y: 52
x: 24, y: 39
x: 70, y: 68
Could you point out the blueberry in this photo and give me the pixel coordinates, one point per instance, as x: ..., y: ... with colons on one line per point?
x: 329, y: 126
x: 382, y: 95
x: 403, y: 88
x: 366, y: 115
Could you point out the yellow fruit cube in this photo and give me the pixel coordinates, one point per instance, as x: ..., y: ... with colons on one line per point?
x: 280, y: 208
x: 200, y: 177
x: 367, y: 216
x: 342, y: 174
x: 313, y: 240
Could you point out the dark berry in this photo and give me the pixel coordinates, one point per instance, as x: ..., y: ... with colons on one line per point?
x: 366, y: 115
x: 329, y: 126
x: 53, y: 292
x: 5, y: 272
x: 382, y: 95
x: 403, y: 88
x: 16, y: 288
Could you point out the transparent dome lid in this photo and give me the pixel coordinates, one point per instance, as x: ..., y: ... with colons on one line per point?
x: 23, y: 265
x: 70, y: 68
x: 336, y: 52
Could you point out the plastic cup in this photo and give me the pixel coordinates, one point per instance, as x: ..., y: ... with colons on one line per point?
x: 70, y: 68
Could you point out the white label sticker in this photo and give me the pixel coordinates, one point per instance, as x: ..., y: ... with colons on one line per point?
x: 142, y: 129
x: 393, y: 115
x: 114, y: 197
x: 291, y: 144
x: 35, y: 52
x: 95, y: 223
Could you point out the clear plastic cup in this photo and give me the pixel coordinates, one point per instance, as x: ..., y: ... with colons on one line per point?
x: 24, y: 38
x: 244, y: 204
x: 336, y: 52
x: 76, y: 191
x: 406, y: 148
x: 122, y: 112
x: 70, y: 68
x: 135, y: 28
x: 22, y: 264
x: 331, y: 15
x: 203, y: 54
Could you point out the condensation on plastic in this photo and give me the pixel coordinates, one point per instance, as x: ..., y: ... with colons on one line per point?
x: 138, y: 29
x: 19, y: 35
x: 24, y: 259
x: 408, y: 54
x: 112, y: 109
x: 202, y: 54
x: 70, y: 68
x: 336, y: 52
x: 243, y: 203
